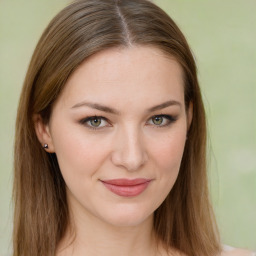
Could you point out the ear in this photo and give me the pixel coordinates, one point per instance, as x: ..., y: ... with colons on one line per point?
x: 43, y: 133
x: 189, y: 115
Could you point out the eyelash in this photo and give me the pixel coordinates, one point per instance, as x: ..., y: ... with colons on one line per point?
x: 169, y: 119
x: 84, y: 122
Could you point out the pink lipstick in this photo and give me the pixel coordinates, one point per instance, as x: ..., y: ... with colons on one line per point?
x: 126, y: 187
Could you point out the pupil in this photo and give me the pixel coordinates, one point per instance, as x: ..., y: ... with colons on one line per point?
x: 96, y: 122
x: 158, y: 120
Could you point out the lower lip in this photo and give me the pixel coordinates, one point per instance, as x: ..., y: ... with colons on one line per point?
x: 127, y: 191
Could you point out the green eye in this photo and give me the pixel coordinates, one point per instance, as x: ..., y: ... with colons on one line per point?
x: 157, y: 120
x: 95, y: 121
x: 161, y: 120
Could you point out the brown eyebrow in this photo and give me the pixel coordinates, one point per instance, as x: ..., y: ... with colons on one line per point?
x: 164, y: 105
x: 97, y: 106
x: 114, y: 111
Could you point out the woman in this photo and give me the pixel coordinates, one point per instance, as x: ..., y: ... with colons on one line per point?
x: 110, y: 139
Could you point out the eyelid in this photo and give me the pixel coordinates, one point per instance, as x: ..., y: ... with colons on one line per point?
x: 170, y: 119
x: 89, y: 118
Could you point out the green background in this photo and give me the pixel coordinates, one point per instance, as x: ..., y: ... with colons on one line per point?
x: 222, y: 35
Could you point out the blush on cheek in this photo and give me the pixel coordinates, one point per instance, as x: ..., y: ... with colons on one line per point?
x: 170, y: 153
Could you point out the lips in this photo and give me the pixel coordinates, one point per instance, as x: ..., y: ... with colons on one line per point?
x: 126, y: 187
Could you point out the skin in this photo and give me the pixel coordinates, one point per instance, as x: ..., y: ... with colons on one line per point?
x: 128, y: 142
x: 237, y: 252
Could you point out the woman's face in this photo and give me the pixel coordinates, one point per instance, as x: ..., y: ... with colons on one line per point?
x: 118, y: 130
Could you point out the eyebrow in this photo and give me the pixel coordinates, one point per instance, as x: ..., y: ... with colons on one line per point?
x: 97, y: 106
x: 116, y: 112
x: 164, y: 105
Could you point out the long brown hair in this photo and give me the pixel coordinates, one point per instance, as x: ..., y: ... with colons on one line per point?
x: 185, y: 219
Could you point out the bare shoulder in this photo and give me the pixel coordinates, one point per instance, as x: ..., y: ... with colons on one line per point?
x: 227, y: 251
x: 238, y: 252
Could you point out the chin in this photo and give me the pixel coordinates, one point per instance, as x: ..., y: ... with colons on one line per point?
x: 128, y: 216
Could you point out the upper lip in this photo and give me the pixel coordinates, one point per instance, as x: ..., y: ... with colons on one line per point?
x: 126, y: 182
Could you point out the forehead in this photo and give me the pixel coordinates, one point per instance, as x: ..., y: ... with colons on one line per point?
x: 126, y: 74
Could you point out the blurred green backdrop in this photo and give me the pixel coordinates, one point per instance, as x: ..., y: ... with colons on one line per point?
x: 222, y: 35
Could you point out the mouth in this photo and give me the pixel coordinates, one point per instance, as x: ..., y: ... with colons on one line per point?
x: 126, y: 187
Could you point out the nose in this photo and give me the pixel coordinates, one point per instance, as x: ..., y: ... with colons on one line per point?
x: 129, y: 150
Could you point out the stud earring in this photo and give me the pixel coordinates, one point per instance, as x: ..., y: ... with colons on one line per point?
x: 45, y: 145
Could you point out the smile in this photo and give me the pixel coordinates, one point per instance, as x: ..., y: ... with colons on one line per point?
x: 126, y: 187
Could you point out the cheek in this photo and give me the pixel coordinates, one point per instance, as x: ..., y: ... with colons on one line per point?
x: 78, y: 154
x: 168, y: 154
